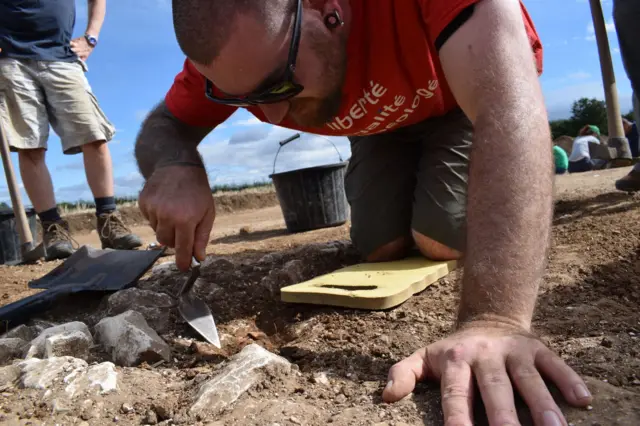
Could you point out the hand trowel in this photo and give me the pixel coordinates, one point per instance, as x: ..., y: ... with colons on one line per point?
x: 194, y: 310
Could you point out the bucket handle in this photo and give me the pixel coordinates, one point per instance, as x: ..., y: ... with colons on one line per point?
x: 297, y: 136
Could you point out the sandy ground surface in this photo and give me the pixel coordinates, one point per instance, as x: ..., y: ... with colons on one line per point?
x: 588, y: 312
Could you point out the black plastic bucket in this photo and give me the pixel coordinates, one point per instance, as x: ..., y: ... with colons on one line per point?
x: 10, y: 248
x: 313, y: 197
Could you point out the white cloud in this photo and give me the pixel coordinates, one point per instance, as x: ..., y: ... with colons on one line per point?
x: 591, y: 31
x: 579, y: 75
x: 75, y: 192
x: 252, y: 160
x: 559, y: 101
x: 129, y: 183
x: 75, y: 165
x: 251, y: 121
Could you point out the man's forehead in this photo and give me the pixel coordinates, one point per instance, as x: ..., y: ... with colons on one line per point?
x: 252, y: 55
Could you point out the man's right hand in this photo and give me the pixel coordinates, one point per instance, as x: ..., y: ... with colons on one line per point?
x: 178, y: 203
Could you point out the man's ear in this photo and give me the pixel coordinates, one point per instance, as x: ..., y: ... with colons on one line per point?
x: 325, y: 7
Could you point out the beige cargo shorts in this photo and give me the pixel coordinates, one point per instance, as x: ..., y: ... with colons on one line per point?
x: 36, y: 94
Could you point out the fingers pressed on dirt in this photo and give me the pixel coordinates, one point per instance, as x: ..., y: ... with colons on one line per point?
x: 568, y: 381
x: 184, y: 246
x: 456, y: 386
x: 403, y: 377
x: 496, y: 390
x: 534, y: 391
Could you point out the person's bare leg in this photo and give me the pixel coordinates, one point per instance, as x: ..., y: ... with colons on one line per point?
x: 434, y: 250
x: 395, y: 250
x: 98, y: 168
x: 37, y: 179
x: 39, y: 187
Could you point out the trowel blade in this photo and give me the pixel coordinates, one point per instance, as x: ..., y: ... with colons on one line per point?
x: 198, y: 315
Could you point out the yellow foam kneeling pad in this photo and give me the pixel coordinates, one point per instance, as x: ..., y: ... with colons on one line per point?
x: 372, y: 286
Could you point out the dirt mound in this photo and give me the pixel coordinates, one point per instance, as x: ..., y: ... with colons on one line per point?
x: 225, y: 204
x: 230, y: 203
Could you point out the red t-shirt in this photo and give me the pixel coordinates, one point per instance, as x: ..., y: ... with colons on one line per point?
x: 394, y: 76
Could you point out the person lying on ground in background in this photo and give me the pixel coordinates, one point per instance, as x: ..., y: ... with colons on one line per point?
x: 411, y: 83
x: 631, y: 133
x: 626, y: 14
x: 42, y: 82
x: 580, y: 158
x: 561, y: 160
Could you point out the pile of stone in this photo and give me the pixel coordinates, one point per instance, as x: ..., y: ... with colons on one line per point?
x: 67, y: 363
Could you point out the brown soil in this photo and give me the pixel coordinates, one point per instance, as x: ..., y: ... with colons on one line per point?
x: 80, y: 223
x: 587, y: 312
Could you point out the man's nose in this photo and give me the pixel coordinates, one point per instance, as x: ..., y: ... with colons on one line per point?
x: 275, y: 113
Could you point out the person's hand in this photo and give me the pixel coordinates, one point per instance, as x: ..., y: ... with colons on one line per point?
x: 81, y: 47
x: 497, y: 356
x: 178, y: 203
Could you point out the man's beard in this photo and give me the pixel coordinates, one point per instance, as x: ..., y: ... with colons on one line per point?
x: 318, y: 112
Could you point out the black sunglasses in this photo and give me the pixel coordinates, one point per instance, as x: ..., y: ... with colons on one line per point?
x: 285, y: 88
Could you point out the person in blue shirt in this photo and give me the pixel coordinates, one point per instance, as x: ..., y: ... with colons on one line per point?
x: 42, y: 83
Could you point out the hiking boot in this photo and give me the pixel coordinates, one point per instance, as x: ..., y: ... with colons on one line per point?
x: 114, y: 234
x: 629, y: 183
x: 57, y: 240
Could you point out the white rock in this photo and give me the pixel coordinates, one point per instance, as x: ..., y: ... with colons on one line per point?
x: 154, y: 307
x: 9, y: 375
x: 99, y: 379
x: 321, y: 379
x: 164, y: 269
x: 61, y: 405
x: 37, y: 345
x: 242, y: 372
x: 42, y: 373
x: 22, y: 331
x: 11, y: 348
x: 130, y: 340
x: 75, y: 344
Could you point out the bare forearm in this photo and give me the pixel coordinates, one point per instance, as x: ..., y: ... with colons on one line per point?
x: 97, y: 10
x: 509, y: 213
x: 164, y: 140
x: 490, y: 67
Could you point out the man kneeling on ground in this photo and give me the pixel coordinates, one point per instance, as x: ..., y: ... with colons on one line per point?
x: 411, y: 83
x: 580, y: 159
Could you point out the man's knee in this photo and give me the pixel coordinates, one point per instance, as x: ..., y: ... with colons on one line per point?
x: 395, y: 250
x: 32, y: 156
x: 432, y: 249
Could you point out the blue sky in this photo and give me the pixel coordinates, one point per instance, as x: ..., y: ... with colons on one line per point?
x: 138, y: 57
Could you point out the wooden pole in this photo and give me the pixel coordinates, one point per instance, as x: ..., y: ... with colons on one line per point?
x: 617, y: 137
x: 24, y: 232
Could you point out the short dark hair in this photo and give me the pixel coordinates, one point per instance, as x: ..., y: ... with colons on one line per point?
x: 203, y: 27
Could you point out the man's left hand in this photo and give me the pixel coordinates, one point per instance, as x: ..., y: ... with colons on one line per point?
x: 496, y: 355
x: 81, y: 47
